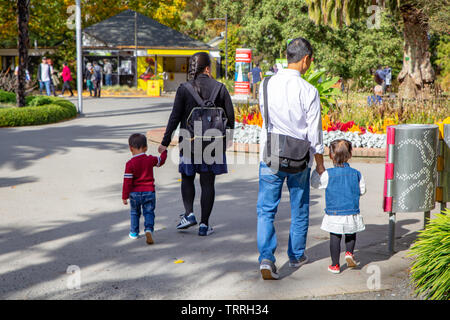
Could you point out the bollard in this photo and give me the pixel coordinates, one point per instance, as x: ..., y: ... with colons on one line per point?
x: 410, y: 172
x: 443, y: 166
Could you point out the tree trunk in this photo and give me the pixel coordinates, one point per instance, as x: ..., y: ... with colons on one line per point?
x: 23, y: 43
x: 417, y: 73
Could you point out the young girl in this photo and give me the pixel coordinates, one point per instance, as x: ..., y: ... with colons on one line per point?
x: 343, y: 186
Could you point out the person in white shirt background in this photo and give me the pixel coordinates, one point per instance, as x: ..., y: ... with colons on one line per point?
x: 294, y: 110
x: 44, y: 76
x: 344, y: 186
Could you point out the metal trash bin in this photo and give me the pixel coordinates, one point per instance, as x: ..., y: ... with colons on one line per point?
x: 410, y: 171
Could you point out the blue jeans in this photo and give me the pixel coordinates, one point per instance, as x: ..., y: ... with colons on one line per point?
x: 269, y: 196
x: 142, y: 202
x: 108, y: 81
x: 47, y: 86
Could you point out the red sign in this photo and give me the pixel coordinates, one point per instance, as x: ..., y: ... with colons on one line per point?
x: 242, y: 87
x: 243, y: 55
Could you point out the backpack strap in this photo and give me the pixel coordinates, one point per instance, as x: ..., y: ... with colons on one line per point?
x: 268, y: 145
x: 266, y: 106
x: 194, y: 94
x: 215, y: 92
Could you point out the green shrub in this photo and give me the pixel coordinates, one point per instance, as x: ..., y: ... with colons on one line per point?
x: 56, y: 110
x: 10, y: 97
x: 430, y: 271
x: 40, y: 101
x: 7, y: 97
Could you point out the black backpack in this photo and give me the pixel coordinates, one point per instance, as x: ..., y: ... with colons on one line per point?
x: 209, y: 115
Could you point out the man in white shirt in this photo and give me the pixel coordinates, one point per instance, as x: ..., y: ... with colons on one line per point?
x: 294, y: 110
x: 44, y: 76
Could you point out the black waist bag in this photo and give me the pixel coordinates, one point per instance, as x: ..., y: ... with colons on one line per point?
x: 207, y: 116
x: 282, y: 152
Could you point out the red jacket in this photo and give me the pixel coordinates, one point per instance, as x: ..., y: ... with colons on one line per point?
x: 66, y: 74
x: 138, y: 175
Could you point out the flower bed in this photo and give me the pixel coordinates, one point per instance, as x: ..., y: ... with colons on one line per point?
x: 245, y: 133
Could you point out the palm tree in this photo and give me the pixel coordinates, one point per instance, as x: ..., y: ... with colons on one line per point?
x: 417, y: 73
x: 23, y: 43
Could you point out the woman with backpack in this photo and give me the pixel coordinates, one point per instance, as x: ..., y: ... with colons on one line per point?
x: 188, y: 103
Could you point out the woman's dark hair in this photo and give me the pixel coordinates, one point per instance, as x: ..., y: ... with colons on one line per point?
x: 197, y: 65
x: 297, y: 49
x: 137, y: 141
x: 340, y: 151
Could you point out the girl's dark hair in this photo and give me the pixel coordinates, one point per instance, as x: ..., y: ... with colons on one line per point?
x: 137, y: 141
x: 197, y: 65
x: 340, y: 151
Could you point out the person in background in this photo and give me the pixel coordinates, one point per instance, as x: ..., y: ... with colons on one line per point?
x: 108, y: 73
x: 54, y: 81
x: 380, y: 78
x: 67, y: 78
x: 97, y: 79
x: 256, y: 79
x: 388, y: 75
x: 27, y: 74
x: 376, y: 98
x: 88, y: 77
x: 44, y: 76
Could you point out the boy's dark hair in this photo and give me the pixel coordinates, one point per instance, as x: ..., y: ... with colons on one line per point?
x: 137, y: 141
x: 297, y: 49
x: 340, y: 151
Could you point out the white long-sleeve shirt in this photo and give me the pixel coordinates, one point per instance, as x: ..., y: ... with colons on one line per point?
x: 294, y: 110
x: 321, y: 181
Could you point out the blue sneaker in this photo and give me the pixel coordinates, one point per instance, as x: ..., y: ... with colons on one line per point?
x: 204, y: 230
x: 187, y: 221
x: 133, y: 235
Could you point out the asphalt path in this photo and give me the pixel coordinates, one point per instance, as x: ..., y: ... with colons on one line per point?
x: 64, y: 229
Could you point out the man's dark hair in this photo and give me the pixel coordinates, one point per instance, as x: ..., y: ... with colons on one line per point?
x: 257, y: 64
x: 137, y: 141
x: 340, y: 151
x: 297, y: 49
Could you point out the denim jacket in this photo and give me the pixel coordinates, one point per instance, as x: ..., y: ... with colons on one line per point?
x: 343, y: 191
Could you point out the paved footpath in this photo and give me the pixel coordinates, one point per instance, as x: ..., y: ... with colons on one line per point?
x: 60, y: 193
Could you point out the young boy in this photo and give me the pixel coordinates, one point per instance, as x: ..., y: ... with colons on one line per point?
x: 139, y: 185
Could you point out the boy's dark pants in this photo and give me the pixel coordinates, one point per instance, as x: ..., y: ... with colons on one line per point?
x: 142, y: 203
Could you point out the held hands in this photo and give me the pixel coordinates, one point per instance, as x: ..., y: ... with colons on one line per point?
x: 125, y: 201
x: 320, y: 169
x: 161, y: 148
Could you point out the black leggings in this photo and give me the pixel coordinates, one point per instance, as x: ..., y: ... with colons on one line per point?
x: 207, y: 197
x: 335, y: 245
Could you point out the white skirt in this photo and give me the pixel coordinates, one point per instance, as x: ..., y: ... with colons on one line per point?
x: 343, y: 224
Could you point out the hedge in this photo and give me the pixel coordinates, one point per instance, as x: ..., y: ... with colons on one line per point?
x: 10, y: 98
x: 40, y: 110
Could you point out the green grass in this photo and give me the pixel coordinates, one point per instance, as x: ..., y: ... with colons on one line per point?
x: 430, y: 271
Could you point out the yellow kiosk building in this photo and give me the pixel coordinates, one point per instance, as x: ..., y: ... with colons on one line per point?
x: 141, y: 49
